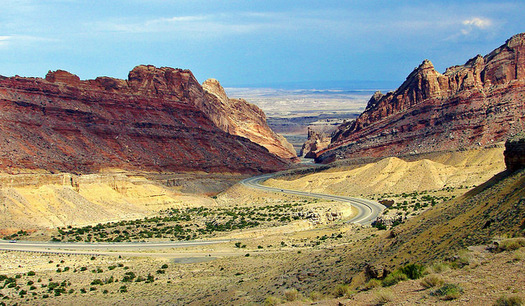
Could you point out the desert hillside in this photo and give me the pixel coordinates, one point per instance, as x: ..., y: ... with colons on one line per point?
x: 396, y: 175
x: 46, y: 201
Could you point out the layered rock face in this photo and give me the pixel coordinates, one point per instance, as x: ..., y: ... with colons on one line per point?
x: 475, y: 104
x: 238, y: 117
x: 316, y: 142
x: 156, y: 120
x: 515, y: 153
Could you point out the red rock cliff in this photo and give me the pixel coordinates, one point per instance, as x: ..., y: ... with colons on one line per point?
x: 475, y: 104
x: 238, y: 117
x: 152, y: 121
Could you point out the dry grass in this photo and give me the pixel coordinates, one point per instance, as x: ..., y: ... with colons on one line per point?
x: 432, y: 280
x: 511, y: 244
x: 448, y: 291
x: 373, y: 283
x: 383, y: 296
x: 509, y: 301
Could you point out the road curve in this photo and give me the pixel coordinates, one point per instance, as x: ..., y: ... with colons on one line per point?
x: 367, y: 211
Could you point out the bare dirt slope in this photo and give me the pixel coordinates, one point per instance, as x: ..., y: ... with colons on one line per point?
x: 36, y: 201
x: 395, y: 175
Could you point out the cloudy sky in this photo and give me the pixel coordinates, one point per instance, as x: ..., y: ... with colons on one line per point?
x: 251, y: 42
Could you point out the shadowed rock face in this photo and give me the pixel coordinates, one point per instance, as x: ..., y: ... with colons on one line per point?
x: 471, y: 105
x: 515, y: 153
x: 152, y: 121
x: 238, y: 117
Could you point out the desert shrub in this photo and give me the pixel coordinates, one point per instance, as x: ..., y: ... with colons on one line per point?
x: 315, y: 296
x: 432, y: 280
x: 123, y: 289
x: 272, y: 300
x: 509, y: 301
x: 373, y: 283
x: 464, y: 258
x: 413, y: 271
x: 97, y: 281
x: 128, y: 277
x: 511, y: 244
x: 383, y: 296
x: 448, y: 291
x: 291, y: 295
x: 394, y: 278
x: 518, y: 255
x: 439, y: 267
x: 164, y: 266
x: 31, y: 273
x: 342, y: 290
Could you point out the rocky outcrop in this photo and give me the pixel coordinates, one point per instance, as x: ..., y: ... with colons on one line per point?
x: 238, y: 117
x: 156, y: 120
x: 316, y: 142
x: 515, y: 153
x: 471, y: 105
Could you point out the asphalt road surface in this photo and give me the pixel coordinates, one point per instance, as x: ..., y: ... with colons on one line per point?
x: 367, y: 211
x: 97, y: 248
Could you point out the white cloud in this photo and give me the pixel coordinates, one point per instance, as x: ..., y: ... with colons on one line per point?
x: 4, y: 40
x: 476, y: 24
x: 207, y: 25
x: 23, y: 40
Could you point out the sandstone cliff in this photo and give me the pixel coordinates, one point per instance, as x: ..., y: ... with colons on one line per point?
x: 316, y: 142
x: 475, y: 104
x: 238, y: 117
x: 156, y: 120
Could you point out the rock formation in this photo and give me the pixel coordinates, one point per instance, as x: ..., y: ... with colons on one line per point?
x: 515, y: 153
x: 238, y: 117
x: 475, y: 104
x: 316, y: 142
x: 160, y: 119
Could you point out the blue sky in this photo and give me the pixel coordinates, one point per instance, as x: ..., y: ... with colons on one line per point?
x: 251, y: 42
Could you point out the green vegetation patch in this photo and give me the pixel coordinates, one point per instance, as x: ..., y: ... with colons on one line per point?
x: 186, y: 223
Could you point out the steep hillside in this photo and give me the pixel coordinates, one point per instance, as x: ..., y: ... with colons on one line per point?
x: 38, y: 201
x: 471, y: 105
x: 496, y: 208
x: 238, y: 117
x: 395, y: 175
x: 156, y: 120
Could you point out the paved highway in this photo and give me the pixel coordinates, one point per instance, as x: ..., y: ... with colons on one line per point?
x: 96, y: 248
x: 367, y: 211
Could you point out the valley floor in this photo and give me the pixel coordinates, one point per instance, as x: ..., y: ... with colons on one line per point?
x: 298, y: 261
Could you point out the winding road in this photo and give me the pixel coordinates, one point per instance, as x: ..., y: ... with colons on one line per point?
x: 367, y: 211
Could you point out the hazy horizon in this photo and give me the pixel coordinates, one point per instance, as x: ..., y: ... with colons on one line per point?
x: 251, y: 43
